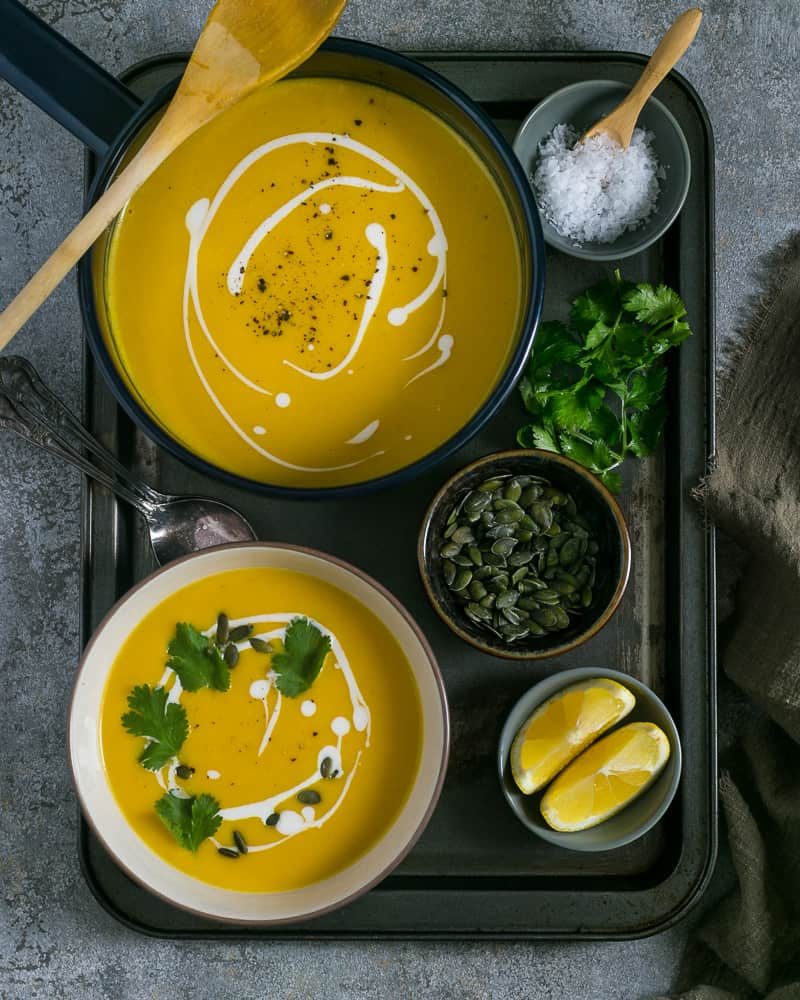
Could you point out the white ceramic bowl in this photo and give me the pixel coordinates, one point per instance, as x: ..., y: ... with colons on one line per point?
x: 136, y: 858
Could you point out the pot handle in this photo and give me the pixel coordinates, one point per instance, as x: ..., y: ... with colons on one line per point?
x: 66, y: 84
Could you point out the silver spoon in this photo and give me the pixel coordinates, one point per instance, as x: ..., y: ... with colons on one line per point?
x: 177, y: 525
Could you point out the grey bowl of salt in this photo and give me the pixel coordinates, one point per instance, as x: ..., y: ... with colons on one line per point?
x: 596, y: 201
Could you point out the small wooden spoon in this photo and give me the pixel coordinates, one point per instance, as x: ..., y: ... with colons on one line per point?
x: 245, y: 44
x: 620, y: 123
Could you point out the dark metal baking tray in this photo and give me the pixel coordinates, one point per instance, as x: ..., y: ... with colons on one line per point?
x: 477, y: 872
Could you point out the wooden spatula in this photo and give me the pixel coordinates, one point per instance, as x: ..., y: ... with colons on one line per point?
x: 621, y: 122
x: 245, y: 44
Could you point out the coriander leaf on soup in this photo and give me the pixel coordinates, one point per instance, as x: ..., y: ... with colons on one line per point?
x: 164, y: 725
x: 191, y: 819
x: 196, y: 660
x: 298, y: 663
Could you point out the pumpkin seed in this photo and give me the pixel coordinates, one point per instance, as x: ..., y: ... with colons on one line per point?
x: 504, y: 546
x: 498, y: 583
x: 586, y: 596
x: 240, y: 842
x: 528, y: 604
x: 542, y: 514
x: 231, y: 655
x: 260, y: 645
x: 222, y: 629
x: 529, y: 494
x: 462, y: 560
x: 326, y: 767
x: 513, y: 491
x: 463, y: 535
x: 448, y: 531
x: 488, y: 601
x: 478, y: 612
x: 563, y: 587
x: 272, y: 819
x: 510, y: 515
x: 463, y: 578
x: 513, y: 632
x: 512, y: 616
x: 309, y: 797
x: 506, y: 599
x: 477, y: 590
x: 449, y: 550
x: 240, y: 632
x: 490, y: 485
x: 519, y: 574
x: 562, y: 618
x: 500, y: 531
x: 570, y: 551
x: 449, y: 571
x: 475, y: 555
x: 183, y: 771
x: 476, y: 503
x: 228, y: 852
x: 521, y: 558
x: 546, y: 617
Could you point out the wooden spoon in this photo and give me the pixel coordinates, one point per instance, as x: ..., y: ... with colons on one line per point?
x: 620, y: 123
x: 245, y: 44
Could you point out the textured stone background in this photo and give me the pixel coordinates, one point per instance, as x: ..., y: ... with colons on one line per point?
x: 54, y: 939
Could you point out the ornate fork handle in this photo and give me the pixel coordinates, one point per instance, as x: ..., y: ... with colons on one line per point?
x: 32, y: 411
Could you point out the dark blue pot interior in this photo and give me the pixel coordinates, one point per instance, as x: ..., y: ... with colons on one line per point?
x: 340, y: 57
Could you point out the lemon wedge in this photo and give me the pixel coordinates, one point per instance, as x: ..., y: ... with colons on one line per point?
x: 606, y: 777
x: 563, y: 726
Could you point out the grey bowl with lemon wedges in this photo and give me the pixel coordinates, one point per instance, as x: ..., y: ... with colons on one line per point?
x: 635, y: 819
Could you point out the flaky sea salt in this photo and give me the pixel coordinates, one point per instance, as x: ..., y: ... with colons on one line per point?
x: 593, y: 191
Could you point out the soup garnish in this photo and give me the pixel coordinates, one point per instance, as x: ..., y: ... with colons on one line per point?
x: 246, y: 759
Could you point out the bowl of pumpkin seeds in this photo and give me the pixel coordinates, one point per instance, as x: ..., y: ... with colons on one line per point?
x: 524, y: 554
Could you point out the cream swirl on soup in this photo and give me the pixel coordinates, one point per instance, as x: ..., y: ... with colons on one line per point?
x: 319, y: 288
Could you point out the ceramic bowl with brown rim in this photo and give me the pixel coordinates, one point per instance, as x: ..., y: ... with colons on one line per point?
x: 606, y: 526
x: 140, y: 861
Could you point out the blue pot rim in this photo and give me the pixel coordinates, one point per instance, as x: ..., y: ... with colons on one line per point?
x: 486, y: 411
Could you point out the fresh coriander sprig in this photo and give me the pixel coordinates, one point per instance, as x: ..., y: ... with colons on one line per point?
x: 197, y: 660
x: 191, y: 819
x: 164, y: 725
x: 595, y: 386
x: 304, y: 650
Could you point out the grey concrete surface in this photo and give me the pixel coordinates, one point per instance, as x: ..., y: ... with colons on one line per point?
x: 54, y: 940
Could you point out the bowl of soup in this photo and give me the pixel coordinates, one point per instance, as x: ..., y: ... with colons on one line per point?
x: 330, y: 287
x: 258, y: 733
